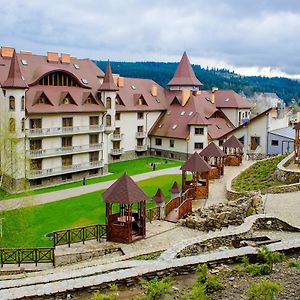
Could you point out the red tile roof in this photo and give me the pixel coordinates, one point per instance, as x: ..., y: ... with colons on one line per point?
x: 196, y: 164
x: 159, y: 197
x: 175, y: 188
x: 297, y: 126
x: 14, y: 78
x: 233, y: 142
x: 184, y: 75
x: 108, y: 81
x: 124, y: 191
x: 230, y: 99
x: 212, y: 150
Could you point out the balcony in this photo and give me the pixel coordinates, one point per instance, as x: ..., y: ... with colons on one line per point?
x: 65, y: 169
x: 117, y: 137
x: 141, y: 148
x: 63, y: 150
x: 109, y: 128
x: 38, y: 132
x: 141, y: 135
x: 117, y: 151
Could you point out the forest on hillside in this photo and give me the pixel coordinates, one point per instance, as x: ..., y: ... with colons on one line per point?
x: 286, y: 89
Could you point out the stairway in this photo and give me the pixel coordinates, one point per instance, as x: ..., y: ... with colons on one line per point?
x: 172, y: 216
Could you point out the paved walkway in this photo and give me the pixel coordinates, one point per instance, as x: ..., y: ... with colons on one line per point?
x: 76, y: 191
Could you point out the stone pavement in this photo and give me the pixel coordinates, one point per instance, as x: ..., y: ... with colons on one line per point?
x: 76, y: 191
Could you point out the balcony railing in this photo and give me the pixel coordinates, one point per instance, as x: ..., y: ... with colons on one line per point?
x: 34, y: 132
x: 117, y: 137
x: 65, y: 169
x: 63, y: 150
x: 117, y: 151
x: 141, y: 148
x: 141, y: 135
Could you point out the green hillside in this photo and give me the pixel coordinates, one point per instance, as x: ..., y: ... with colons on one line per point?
x: 285, y: 88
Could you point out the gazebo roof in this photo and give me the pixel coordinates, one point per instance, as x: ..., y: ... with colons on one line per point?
x: 297, y: 126
x: 212, y: 150
x: 175, y: 188
x: 233, y: 142
x: 159, y: 197
x: 196, y: 164
x: 124, y: 191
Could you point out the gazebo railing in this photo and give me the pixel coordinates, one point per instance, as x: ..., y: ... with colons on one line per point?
x: 79, y: 234
x: 152, y: 214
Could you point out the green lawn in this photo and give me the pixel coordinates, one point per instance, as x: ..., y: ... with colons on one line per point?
x: 258, y: 176
x: 27, y: 227
x: 132, y: 167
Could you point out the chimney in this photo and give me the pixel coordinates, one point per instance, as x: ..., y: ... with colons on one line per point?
x: 26, y: 52
x: 121, y: 82
x: 65, y: 58
x: 154, y: 90
x: 52, y: 56
x: 185, y: 97
x: 7, y: 51
x: 213, y: 96
x: 197, y: 93
x: 115, y: 78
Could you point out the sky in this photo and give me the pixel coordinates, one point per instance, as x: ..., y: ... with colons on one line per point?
x: 251, y: 37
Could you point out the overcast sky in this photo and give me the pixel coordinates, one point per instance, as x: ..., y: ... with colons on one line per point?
x: 248, y: 36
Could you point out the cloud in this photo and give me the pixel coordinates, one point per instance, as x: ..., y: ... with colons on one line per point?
x: 242, y: 34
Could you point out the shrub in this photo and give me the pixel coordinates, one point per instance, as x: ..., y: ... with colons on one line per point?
x: 202, y: 271
x: 197, y: 293
x: 294, y: 264
x: 213, y: 285
x: 269, y: 257
x: 155, y: 288
x: 264, y: 290
x: 101, y: 296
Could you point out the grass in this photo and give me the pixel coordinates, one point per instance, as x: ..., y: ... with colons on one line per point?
x: 132, y: 167
x: 258, y: 176
x: 27, y: 227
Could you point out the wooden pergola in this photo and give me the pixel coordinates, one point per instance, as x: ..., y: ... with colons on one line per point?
x: 233, y: 148
x: 297, y: 143
x: 126, y: 222
x: 199, y: 169
x: 213, y: 155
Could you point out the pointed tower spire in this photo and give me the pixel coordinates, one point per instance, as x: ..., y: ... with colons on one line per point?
x: 184, y: 75
x: 108, y: 81
x: 14, y: 78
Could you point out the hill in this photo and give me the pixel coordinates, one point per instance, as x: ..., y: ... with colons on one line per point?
x: 285, y: 88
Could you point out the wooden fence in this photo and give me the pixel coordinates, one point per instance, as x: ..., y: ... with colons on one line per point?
x: 25, y: 256
x: 152, y: 214
x: 79, y: 234
x: 184, y: 208
x: 172, y: 204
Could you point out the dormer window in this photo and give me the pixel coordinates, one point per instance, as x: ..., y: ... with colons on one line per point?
x: 174, y: 126
x: 41, y: 100
x: 76, y: 66
x: 66, y: 100
x: 89, y: 100
x: 182, y: 113
x: 84, y: 81
x: 24, y: 62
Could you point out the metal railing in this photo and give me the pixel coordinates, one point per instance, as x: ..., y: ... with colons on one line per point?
x: 25, y: 256
x: 65, y: 169
x: 79, y: 234
x: 36, y: 132
x: 141, y: 135
x: 141, y: 148
x: 116, y: 151
x: 63, y: 150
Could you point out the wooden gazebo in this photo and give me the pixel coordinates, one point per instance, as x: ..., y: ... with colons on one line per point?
x: 213, y: 155
x: 126, y: 222
x: 233, y: 148
x: 199, y: 169
x: 297, y: 143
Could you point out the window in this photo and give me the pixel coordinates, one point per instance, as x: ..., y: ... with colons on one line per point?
x: 66, y: 177
x: 172, y: 143
x: 198, y: 146
x: 12, y: 103
x: 84, y: 81
x: 174, y: 126
x: 255, y: 142
x: 108, y: 102
x: 140, y: 115
x: 36, y: 164
x: 158, y: 142
x: 58, y: 79
x: 117, y: 130
x: 118, y: 116
x: 12, y: 125
x: 94, y: 156
x: 182, y: 113
x: 67, y: 161
x: 67, y: 122
x: 66, y: 142
x: 275, y: 143
x: 221, y: 142
x: 76, y: 66
x: 94, y: 139
x: 108, y: 120
x: 24, y: 62
x: 35, y: 145
x: 190, y: 113
x: 140, y: 128
x: 218, y: 126
x: 23, y: 124
x: 116, y: 145
x: 35, y: 123
x: 94, y: 120
x: 23, y: 103
x: 140, y: 142
x: 199, y: 131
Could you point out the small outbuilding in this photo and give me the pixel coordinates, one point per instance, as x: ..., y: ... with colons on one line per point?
x: 159, y: 199
x: 125, y: 211
x: 215, y: 157
x: 174, y: 190
x: 199, y: 169
x: 233, y: 148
